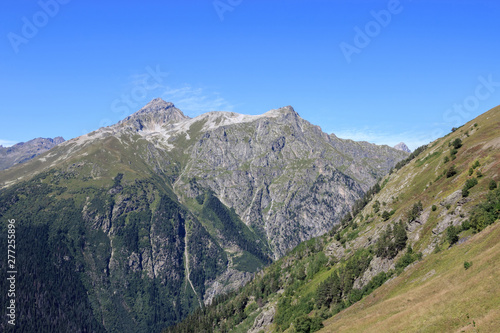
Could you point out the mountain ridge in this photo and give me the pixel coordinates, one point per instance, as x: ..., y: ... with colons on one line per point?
x: 25, y: 151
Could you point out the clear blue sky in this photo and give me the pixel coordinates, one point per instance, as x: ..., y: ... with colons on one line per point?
x: 88, y: 63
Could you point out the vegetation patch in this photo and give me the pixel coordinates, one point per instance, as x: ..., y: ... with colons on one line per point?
x: 427, y: 159
x: 487, y: 212
x: 469, y: 183
x: 247, y: 262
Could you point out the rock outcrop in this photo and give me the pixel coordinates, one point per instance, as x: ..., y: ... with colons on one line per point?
x: 403, y: 147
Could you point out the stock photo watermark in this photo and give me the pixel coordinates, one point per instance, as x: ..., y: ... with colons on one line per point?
x: 373, y: 28
x: 223, y: 6
x: 460, y: 112
x: 31, y: 26
x: 129, y: 102
x: 11, y: 272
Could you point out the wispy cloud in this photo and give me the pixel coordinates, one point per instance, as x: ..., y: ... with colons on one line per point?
x: 140, y: 88
x: 7, y: 143
x: 195, y: 101
x: 413, y: 139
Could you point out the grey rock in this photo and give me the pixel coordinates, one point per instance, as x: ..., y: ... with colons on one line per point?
x: 403, y: 147
x: 155, y: 113
x: 231, y: 279
x: 263, y: 320
x: 452, y: 198
x: 335, y: 249
x: 377, y: 265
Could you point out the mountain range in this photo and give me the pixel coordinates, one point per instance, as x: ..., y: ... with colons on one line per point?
x: 155, y: 216
x: 24, y: 151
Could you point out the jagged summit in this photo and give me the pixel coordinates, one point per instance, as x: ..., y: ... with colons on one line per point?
x: 216, y: 119
x: 403, y: 147
x: 156, y: 113
x: 156, y: 104
x: 163, y: 118
x: 282, y: 111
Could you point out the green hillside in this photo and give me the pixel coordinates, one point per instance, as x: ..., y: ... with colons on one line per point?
x: 100, y: 244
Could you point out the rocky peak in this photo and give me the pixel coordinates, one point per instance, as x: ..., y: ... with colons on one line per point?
x: 57, y: 140
x: 155, y: 105
x: 155, y: 113
x: 284, y: 111
x: 403, y: 147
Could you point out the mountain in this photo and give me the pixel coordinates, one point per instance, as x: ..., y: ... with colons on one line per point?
x: 25, y: 151
x: 148, y: 219
x: 154, y: 115
x: 403, y: 147
x: 420, y: 252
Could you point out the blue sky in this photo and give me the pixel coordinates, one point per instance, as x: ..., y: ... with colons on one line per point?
x: 380, y: 71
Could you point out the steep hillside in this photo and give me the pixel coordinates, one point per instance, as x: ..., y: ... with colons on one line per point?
x: 428, y: 224
x: 455, y: 179
x: 25, y: 151
x: 151, y: 218
x: 436, y: 295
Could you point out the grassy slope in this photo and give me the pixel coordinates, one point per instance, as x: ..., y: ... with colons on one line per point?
x: 436, y: 295
x: 443, y: 301
x: 423, y: 179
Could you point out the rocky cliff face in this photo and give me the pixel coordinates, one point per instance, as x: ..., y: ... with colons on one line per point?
x: 25, y: 151
x: 287, y: 179
x: 164, y: 212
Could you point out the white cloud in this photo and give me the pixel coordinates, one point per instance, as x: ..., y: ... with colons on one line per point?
x: 195, y: 101
x: 7, y: 143
x: 413, y: 139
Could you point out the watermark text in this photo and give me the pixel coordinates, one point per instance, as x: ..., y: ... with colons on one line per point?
x: 11, y: 272
x: 364, y: 36
x: 31, y: 26
x: 223, y: 6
